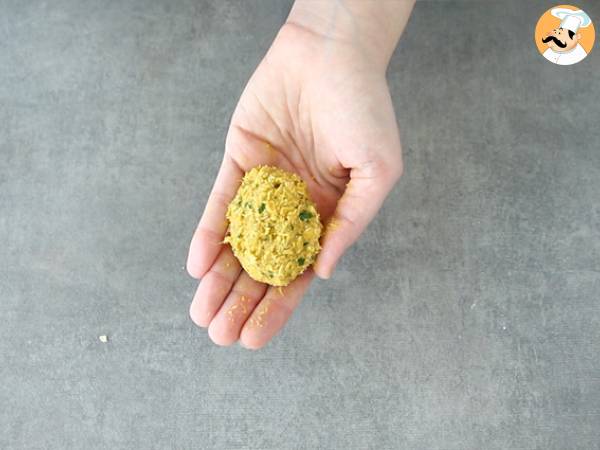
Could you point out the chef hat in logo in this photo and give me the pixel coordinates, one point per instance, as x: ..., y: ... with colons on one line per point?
x: 571, y: 20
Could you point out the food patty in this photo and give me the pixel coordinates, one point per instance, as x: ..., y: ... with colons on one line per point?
x: 274, y: 227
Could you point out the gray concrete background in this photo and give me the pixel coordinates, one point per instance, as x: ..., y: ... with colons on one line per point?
x: 468, y: 317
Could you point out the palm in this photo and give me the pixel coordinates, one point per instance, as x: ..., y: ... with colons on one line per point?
x: 316, y: 117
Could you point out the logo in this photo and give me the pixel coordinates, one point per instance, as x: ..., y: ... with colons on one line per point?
x: 565, y: 35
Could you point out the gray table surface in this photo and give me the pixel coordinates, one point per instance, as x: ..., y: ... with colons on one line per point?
x: 467, y: 317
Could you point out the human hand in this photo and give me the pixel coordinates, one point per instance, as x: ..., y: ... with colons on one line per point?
x: 320, y: 107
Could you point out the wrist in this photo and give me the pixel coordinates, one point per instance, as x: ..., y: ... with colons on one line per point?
x: 370, y: 28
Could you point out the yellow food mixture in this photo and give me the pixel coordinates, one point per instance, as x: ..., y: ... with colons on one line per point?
x: 274, y: 227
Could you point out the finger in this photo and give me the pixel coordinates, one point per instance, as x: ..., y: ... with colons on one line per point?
x: 225, y: 327
x: 362, y: 199
x: 273, y: 311
x: 207, y: 240
x: 214, y: 287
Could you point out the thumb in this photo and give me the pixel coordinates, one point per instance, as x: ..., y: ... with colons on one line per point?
x: 368, y: 187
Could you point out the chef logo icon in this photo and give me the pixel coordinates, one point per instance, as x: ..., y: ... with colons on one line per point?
x: 564, y: 35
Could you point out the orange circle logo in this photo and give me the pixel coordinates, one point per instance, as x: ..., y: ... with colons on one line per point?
x: 565, y: 35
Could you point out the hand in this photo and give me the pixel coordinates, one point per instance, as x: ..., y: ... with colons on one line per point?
x: 321, y: 108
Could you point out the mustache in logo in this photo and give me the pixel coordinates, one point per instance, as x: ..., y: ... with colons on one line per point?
x: 555, y: 40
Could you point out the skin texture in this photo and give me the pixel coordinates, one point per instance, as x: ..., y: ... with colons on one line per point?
x: 563, y: 36
x: 317, y: 105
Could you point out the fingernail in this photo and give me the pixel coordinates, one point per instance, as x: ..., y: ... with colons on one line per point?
x: 325, y: 274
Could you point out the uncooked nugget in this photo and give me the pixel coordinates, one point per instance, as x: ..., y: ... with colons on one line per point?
x: 274, y: 227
